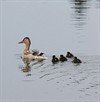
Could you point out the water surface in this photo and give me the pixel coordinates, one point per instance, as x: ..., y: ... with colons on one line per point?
x: 55, y: 27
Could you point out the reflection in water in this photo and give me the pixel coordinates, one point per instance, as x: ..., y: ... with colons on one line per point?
x: 98, y: 4
x: 28, y: 64
x: 80, y: 10
x: 26, y: 69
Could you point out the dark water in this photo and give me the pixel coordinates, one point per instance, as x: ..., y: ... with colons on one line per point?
x: 44, y: 81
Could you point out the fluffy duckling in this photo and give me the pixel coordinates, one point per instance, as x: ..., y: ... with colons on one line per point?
x: 76, y: 60
x: 62, y: 58
x: 55, y: 59
x: 69, y: 55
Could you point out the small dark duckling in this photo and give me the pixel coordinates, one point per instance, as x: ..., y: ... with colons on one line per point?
x: 55, y: 59
x: 62, y: 58
x: 69, y: 55
x: 76, y: 60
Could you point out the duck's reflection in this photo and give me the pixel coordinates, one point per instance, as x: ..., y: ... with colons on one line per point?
x: 27, y: 67
x: 29, y: 64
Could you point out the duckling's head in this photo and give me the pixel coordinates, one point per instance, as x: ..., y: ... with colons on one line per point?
x: 75, y: 57
x: 26, y: 41
x: 61, y: 56
x: 68, y: 52
x: 53, y: 56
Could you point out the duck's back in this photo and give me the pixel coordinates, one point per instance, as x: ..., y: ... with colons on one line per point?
x: 33, y: 57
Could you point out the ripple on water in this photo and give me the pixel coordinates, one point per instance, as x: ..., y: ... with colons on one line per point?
x: 82, y: 78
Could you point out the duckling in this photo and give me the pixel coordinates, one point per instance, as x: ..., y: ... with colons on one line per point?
x: 76, y: 60
x: 69, y: 55
x: 55, y: 59
x: 62, y: 58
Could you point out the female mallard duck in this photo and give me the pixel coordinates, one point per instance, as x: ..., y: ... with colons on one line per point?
x: 35, y: 55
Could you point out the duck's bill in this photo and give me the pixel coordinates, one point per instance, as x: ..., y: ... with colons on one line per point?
x: 20, y: 42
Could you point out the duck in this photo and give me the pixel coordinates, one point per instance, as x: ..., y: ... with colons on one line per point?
x: 27, y: 54
x: 76, y: 60
x: 55, y: 59
x: 69, y: 55
x: 62, y: 58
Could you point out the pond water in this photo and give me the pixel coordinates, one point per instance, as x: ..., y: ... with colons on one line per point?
x: 54, y: 27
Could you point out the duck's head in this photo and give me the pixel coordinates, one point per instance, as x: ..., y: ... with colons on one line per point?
x: 26, y: 41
